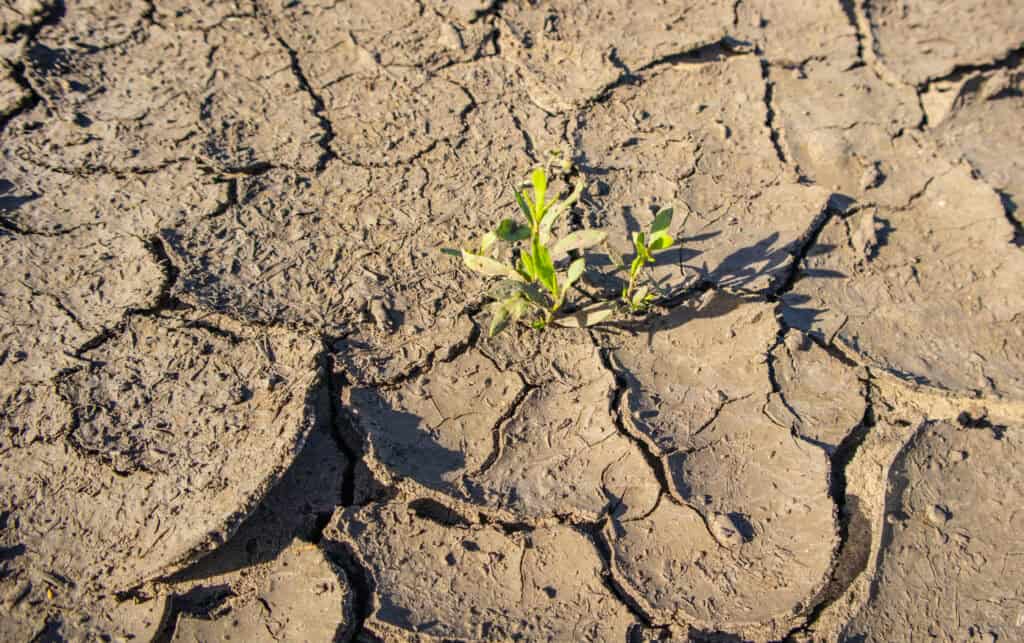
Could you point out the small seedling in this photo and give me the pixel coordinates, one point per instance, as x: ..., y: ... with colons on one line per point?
x: 657, y: 239
x: 535, y: 282
x: 541, y: 274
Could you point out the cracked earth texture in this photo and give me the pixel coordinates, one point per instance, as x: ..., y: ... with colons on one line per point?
x: 243, y: 397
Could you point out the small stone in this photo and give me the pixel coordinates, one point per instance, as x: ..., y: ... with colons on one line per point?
x: 725, y: 530
x: 938, y: 515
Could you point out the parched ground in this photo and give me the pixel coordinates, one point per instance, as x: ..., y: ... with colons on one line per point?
x: 243, y: 396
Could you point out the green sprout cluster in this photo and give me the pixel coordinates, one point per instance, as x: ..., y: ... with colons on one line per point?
x: 535, y: 284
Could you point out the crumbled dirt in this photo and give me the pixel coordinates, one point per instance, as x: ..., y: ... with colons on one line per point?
x: 244, y: 396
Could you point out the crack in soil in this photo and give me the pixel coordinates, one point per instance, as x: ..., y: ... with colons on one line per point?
x: 327, y: 154
x: 769, y: 119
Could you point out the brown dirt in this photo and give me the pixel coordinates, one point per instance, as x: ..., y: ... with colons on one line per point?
x: 243, y: 396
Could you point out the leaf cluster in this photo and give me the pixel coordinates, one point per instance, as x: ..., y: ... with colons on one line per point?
x: 535, y: 284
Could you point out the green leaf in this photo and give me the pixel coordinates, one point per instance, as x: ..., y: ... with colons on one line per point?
x: 640, y: 296
x: 640, y: 246
x: 588, y: 315
x: 579, y: 240
x: 545, y: 268
x: 635, y: 266
x: 509, y: 230
x: 526, y: 208
x: 488, y: 267
x: 536, y: 296
x: 660, y: 241
x: 527, y: 264
x: 638, y: 243
x: 505, y: 289
x: 455, y: 252
x: 540, y: 188
x: 526, y: 293
x: 500, y: 318
x: 661, y: 222
x: 487, y: 241
x: 576, y: 269
x: 551, y: 216
x: 517, y: 307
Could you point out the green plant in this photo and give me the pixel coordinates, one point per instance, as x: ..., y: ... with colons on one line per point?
x: 540, y: 275
x: 535, y: 282
x: 658, y: 238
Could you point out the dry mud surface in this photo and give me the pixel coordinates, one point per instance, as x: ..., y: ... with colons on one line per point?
x: 243, y: 397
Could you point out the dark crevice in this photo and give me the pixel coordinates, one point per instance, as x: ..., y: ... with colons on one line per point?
x: 491, y: 10
x: 851, y: 15
x: 496, y: 430
x: 716, y: 51
x: 780, y: 339
x: 28, y: 102
x: 89, y: 169
x: 1010, y: 60
x: 165, y: 300
x: 320, y: 522
x: 1010, y: 210
x: 17, y: 229
x: 593, y: 533
x: 438, y: 513
x: 851, y: 555
x: 655, y: 463
x: 528, y: 146
x: 769, y: 122
x: 319, y: 109
x: 362, y: 585
x: 804, y: 245
x: 50, y: 17
x: 726, y: 47
x: 344, y: 434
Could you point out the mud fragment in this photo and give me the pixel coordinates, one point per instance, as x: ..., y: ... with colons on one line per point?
x: 227, y: 95
x: 314, y: 254
x: 58, y: 293
x: 927, y: 40
x: 793, y: 33
x: 572, y: 52
x: 528, y: 446
x: 982, y: 127
x: 43, y: 201
x: 950, y: 542
x: 301, y: 596
x: 141, y: 481
x: 848, y: 131
x: 478, y: 582
x: 904, y: 309
x: 819, y: 397
x: 696, y: 382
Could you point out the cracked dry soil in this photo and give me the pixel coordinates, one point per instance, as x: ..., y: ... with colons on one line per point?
x: 243, y: 397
